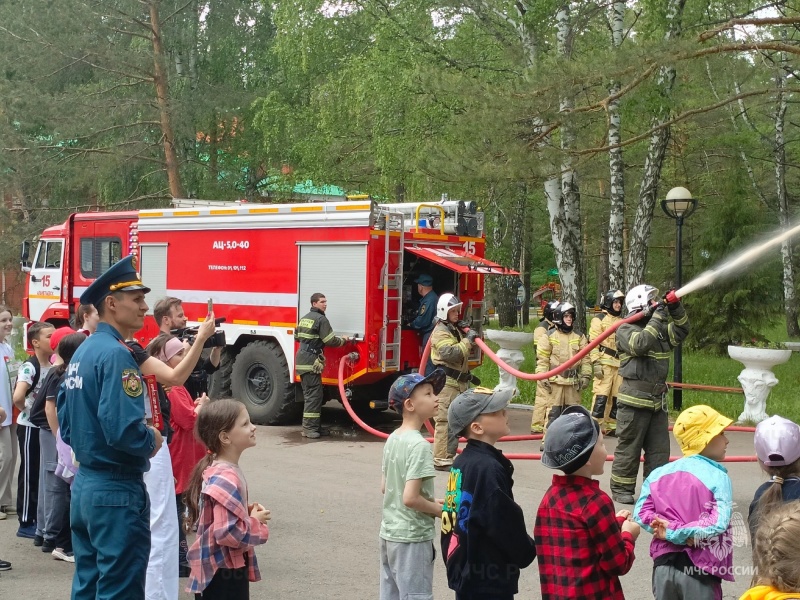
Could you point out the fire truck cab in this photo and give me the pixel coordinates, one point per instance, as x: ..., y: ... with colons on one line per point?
x: 260, y: 264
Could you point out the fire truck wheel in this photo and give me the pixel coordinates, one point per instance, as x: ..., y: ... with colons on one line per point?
x: 260, y: 381
x: 219, y: 385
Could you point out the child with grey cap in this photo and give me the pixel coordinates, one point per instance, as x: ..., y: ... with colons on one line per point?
x: 485, y: 542
x: 409, y: 507
x: 582, y: 546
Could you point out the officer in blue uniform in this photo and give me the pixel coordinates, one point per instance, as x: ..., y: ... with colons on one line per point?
x: 101, y: 414
x: 424, y: 322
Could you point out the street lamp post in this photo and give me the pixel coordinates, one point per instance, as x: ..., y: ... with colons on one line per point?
x: 678, y: 205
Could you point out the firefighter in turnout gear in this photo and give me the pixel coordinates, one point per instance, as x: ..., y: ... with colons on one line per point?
x: 644, y: 348
x: 450, y: 348
x: 605, y: 363
x: 314, y: 332
x: 541, y: 402
x: 561, y: 344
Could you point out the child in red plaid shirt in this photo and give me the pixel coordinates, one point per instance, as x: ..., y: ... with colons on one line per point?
x: 581, y: 545
x: 222, y: 559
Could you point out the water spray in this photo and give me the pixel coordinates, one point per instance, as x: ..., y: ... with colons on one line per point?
x: 701, y: 281
x: 727, y: 268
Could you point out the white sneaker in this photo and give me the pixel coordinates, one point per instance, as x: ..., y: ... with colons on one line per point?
x: 60, y: 554
x: 3, y: 516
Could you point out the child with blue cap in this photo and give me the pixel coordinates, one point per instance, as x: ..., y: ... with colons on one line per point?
x: 409, y: 507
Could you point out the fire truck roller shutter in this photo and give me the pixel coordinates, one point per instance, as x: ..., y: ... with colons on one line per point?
x: 340, y: 272
x: 153, y: 266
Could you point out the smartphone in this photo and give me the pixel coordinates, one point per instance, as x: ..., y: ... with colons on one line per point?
x: 210, y: 306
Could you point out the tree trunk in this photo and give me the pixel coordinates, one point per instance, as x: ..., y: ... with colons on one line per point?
x: 654, y: 161
x: 616, y: 219
x: 504, y: 290
x: 745, y: 161
x: 162, y: 97
x: 213, y: 148
x: 527, y: 267
x: 568, y: 210
x: 194, y: 20
x: 789, y: 292
x: 603, y: 274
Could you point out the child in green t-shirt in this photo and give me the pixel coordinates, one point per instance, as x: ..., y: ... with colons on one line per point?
x: 409, y: 507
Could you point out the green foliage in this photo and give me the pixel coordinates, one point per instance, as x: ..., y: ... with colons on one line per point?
x: 401, y: 100
x: 735, y: 310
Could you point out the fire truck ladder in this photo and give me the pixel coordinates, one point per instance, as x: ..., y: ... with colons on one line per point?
x: 392, y: 282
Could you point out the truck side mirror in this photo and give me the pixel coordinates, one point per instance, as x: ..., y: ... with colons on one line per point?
x: 24, y: 255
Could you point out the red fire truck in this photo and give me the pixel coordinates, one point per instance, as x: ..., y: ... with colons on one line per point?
x: 260, y: 263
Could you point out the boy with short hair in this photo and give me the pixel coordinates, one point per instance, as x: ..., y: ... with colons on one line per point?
x: 581, y: 546
x: 409, y: 507
x: 29, y: 378
x: 485, y: 543
x: 687, y: 506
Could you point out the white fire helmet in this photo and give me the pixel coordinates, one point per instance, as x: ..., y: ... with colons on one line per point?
x: 639, y: 297
x: 445, y: 304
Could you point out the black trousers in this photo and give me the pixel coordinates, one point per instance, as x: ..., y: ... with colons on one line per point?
x: 313, y: 396
x: 28, y: 477
x: 183, y: 546
x: 62, y: 536
x: 228, y: 584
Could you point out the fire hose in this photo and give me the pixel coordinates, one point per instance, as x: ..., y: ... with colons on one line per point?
x: 353, y: 356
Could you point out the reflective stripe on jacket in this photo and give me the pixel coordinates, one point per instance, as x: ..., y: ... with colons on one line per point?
x: 598, y: 326
x: 314, y: 331
x: 644, y: 351
x: 450, y: 348
x: 557, y: 348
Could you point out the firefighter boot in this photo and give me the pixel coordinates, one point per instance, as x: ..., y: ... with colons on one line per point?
x: 611, y: 422
x: 313, y: 430
x: 599, y: 407
x: 552, y: 415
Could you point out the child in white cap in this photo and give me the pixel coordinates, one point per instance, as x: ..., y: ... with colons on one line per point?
x: 777, y: 443
x: 686, y: 505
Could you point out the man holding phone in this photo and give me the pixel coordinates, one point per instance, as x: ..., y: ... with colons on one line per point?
x: 168, y: 313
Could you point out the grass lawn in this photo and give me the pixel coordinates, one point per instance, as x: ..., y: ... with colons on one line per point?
x: 698, y: 367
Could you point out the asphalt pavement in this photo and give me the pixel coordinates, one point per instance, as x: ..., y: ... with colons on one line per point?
x: 326, y: 508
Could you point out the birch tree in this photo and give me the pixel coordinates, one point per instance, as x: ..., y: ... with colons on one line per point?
x: 654, y: 160
x: 616, y: 219
x: 779, y: 155
x: 564, y: 204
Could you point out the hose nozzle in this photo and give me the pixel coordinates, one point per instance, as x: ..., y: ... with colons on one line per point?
x: 671, y: 297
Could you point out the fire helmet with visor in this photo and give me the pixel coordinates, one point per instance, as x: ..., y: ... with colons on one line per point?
x: 446, y: 303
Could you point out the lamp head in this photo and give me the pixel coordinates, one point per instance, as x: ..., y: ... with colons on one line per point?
x: 679, y: 203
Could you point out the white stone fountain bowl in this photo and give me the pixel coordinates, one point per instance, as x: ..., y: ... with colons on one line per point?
x: 510, y: 340
x: 759, y: 358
